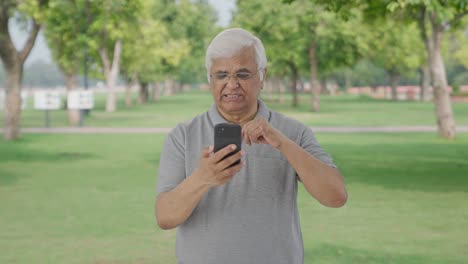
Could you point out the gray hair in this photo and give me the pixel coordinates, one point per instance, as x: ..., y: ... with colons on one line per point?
x: 229, y: 42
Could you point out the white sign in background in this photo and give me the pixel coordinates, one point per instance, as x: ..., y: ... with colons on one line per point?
x: 47, y: 100
x: 24, y: 100
x: 80, y: 99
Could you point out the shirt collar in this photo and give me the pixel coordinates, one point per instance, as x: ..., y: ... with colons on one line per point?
x: 216, y: 117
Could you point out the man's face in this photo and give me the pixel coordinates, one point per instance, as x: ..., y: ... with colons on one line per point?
x: 234, y: 95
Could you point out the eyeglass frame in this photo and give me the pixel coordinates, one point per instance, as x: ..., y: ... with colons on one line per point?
x: 234, y: 75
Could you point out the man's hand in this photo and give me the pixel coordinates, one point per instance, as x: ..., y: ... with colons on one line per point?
x: 259, y: 131
x: 215, y: 171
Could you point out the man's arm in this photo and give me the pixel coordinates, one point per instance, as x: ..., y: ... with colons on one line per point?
x: 172, y: 208
x: 323, y: 182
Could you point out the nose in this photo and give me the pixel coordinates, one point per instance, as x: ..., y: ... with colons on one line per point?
x: 232, y: 81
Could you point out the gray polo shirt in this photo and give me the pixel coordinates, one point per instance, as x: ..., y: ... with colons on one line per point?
x: 251, y: 219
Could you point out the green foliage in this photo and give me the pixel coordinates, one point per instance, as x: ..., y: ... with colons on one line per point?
x: 277, y: 26
x: 365, y: 73
x: 34, y: 9
x: 341, y: 42
x: 458, y: 41
x: 109, y: 21
x: 287, y: 31
x: 396, y: 47
x: 66, y: 33
x: 443, y: 11
x: 148, y: 46
x: 192, y: 24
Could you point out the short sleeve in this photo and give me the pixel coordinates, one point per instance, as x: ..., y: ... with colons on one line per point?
x: 171, y: 169
x: 309, y: 143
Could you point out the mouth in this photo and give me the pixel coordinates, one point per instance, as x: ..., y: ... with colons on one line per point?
x: 232, y: 97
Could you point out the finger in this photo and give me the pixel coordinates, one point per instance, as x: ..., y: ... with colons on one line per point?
x: 207, y: 151
x: 225, y: 180
x: 256, y: 134
x: 243, y: 135
x: 230, y: 172
x: 219, y: 155
x: 231, y: 160
x: 247, y: 139
x: 247, y: 130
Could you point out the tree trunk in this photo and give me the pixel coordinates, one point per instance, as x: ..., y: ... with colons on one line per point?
x: 13, y: 61
x: 73, y: 114
x: 424, y: 82
x: 12, y: 110
x: 177, y: 87
x: 394, y: 80
x: 426, y: 71
x: 347, y: 79
x: 156, y: 92
x: 323, y: 86
x: 443, y: 105
x: 144, y: 93
x: 314, y: 83
x: 111, y: 72
x: 130, y: 82
x: 128, y: 94
x: 282, y: 91
x: 293, y: 83
x: 168, y: 87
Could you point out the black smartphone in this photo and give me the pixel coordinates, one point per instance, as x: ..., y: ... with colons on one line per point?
x: 226, y: 134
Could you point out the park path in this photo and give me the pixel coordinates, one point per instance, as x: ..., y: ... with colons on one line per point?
x: 163, y: 130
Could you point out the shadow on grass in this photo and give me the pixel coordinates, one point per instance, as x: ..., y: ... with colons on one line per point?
x: 7, y: 177
x: 19, y: 153
x: 409, y: 166
x: 326, y: 253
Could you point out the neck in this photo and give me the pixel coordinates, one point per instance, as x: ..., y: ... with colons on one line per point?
x: 240, y: 119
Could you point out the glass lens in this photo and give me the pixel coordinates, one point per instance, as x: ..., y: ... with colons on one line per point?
x: 243, y: 75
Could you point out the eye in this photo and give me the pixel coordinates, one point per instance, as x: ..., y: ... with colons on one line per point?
x: 243, y: 75
x: 221, y: 75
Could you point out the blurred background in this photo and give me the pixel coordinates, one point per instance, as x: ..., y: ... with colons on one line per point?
x: 90, y: 88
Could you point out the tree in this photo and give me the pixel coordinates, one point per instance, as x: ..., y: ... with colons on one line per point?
x: 333, y: 42
x: 195, y: 22
x: 32, y: 12
x: 276, y: 24
x: 435, y: 17
x: 192, y: 23
x: 150, y: 50
x: 110, y: 21
x: 304, y: 37
x: 65, y: 32
x: 396, y: 48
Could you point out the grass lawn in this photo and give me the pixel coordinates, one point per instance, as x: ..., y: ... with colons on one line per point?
x: 89, y: 199
x: 344, y: 110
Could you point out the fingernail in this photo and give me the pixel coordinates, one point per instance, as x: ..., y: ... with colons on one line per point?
x: 233, y: 147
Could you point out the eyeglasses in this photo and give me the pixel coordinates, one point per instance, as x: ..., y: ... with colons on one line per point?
x: 223, y: 77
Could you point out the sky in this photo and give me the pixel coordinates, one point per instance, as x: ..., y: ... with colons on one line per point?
x: 42, y: 52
